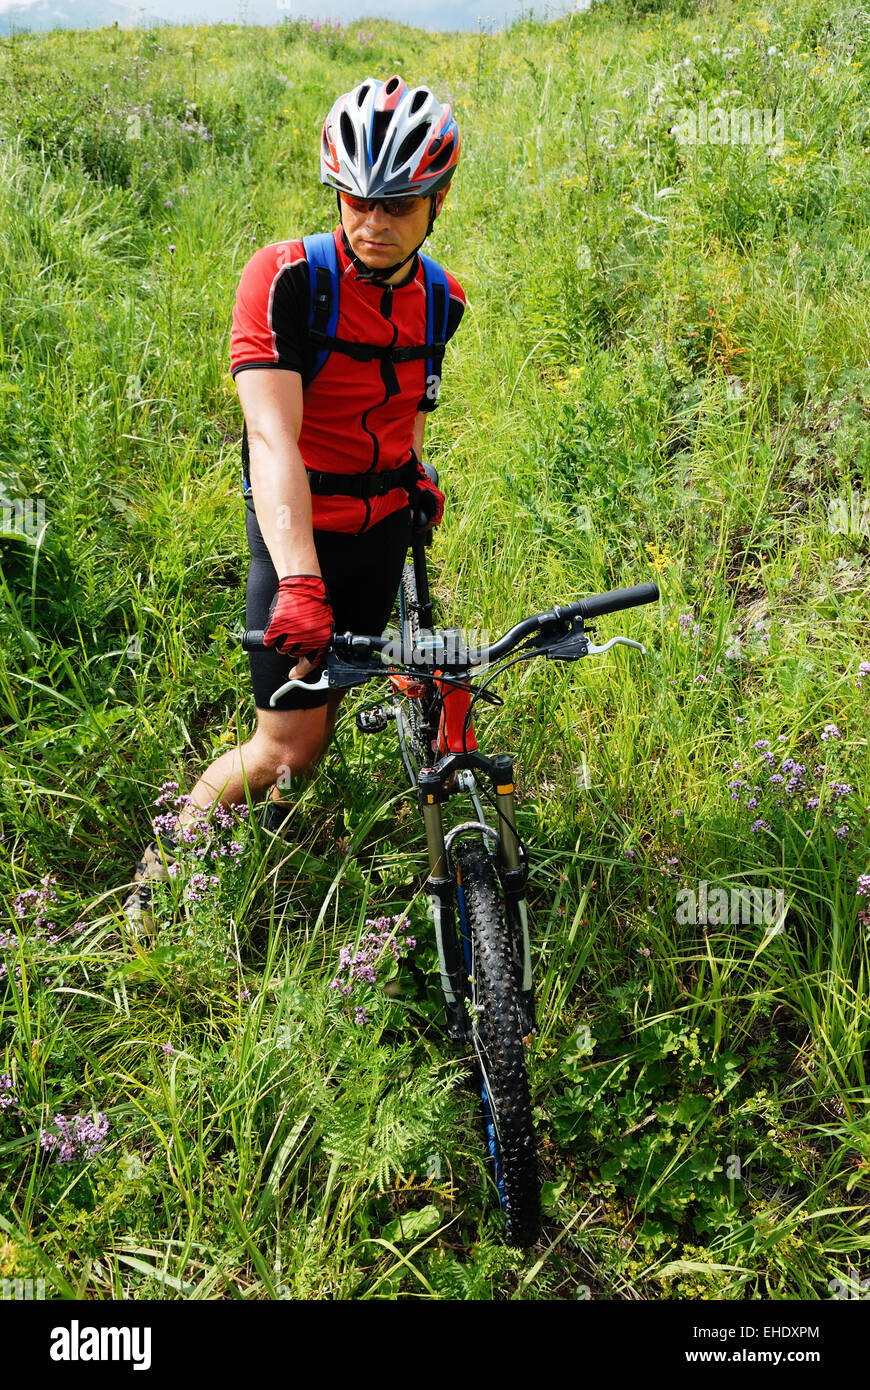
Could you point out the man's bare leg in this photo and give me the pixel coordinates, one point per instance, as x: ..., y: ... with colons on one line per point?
x: 285, y: 742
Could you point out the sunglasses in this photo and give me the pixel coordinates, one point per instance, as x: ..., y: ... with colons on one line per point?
x: 393, y: 207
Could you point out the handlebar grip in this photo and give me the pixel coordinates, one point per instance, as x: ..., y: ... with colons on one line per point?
x: 616, y: 599
x: 252, y: 639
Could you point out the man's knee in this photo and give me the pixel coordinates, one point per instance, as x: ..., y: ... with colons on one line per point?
x: 290, y: 739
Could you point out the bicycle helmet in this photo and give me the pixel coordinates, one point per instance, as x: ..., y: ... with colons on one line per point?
x: 386, y: 140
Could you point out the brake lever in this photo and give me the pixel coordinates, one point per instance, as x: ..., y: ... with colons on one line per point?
x: 570, y: 648
x: 338, y: 675
x: 578, y: 644
x: 322, y: 684
x: 616, y: 642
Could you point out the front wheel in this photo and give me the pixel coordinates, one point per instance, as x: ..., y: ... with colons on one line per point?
x: 498, y: 1043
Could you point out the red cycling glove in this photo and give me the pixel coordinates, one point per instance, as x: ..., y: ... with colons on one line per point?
x: 427, y: 499
x: 301, y: 615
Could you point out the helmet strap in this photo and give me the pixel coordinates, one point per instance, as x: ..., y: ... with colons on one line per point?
x: 365, y: 272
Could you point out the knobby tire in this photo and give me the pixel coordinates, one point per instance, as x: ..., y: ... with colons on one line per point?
x: 498, y: 1043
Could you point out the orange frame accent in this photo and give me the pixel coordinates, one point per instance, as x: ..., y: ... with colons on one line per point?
x: 457, y: 702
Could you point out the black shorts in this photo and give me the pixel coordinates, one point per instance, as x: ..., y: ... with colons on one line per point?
x: 362, y: 575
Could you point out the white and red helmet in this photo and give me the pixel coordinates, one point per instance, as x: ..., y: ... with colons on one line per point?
x: 388, y: 140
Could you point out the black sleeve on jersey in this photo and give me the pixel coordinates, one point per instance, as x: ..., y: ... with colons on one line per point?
x: 289, y: 322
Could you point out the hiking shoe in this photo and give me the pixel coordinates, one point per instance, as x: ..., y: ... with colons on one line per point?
x: 277, y: 813
x: 150, y: 868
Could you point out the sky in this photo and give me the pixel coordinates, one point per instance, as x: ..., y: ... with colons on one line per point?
x: 427, y: 14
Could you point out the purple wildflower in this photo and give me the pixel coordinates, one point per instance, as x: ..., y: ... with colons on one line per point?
x: 830, y: 731
x: 374, y: 946
x: 83, y: 1137
x: 8, y: 1097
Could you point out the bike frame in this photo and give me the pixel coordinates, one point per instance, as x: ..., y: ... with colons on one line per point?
x: 449, y: 726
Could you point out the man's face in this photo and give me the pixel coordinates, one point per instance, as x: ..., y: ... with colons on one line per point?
x: 380, y: 240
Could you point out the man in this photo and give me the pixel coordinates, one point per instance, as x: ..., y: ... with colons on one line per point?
x: 334, y: 425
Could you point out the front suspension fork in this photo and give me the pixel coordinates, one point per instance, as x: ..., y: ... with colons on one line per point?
x: 512, y: 872
x: 441, y: 888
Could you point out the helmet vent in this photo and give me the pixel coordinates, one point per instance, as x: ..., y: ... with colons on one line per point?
x: 419, y: 99
x: 348, y: 134
x: 441, y: 159
x: 392, y: 85
x: 407, y: 148
x: 362, y: 94
x: 380, y: 125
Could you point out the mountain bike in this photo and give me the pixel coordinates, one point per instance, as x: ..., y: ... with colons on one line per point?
x: 477, y: 871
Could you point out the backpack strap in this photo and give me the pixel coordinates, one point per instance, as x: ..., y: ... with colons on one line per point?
x: 437, y: 306
x: 322, y: 259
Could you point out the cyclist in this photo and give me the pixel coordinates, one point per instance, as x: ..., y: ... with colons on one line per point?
x: 333, y: 432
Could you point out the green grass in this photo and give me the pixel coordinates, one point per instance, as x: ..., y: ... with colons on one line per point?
x: 662, y: 372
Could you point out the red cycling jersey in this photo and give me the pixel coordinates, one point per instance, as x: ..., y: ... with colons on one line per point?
x: 349, y: 423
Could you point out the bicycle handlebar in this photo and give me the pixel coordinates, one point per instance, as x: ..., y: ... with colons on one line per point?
x: 556, y: 621
x: 616, y: 600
